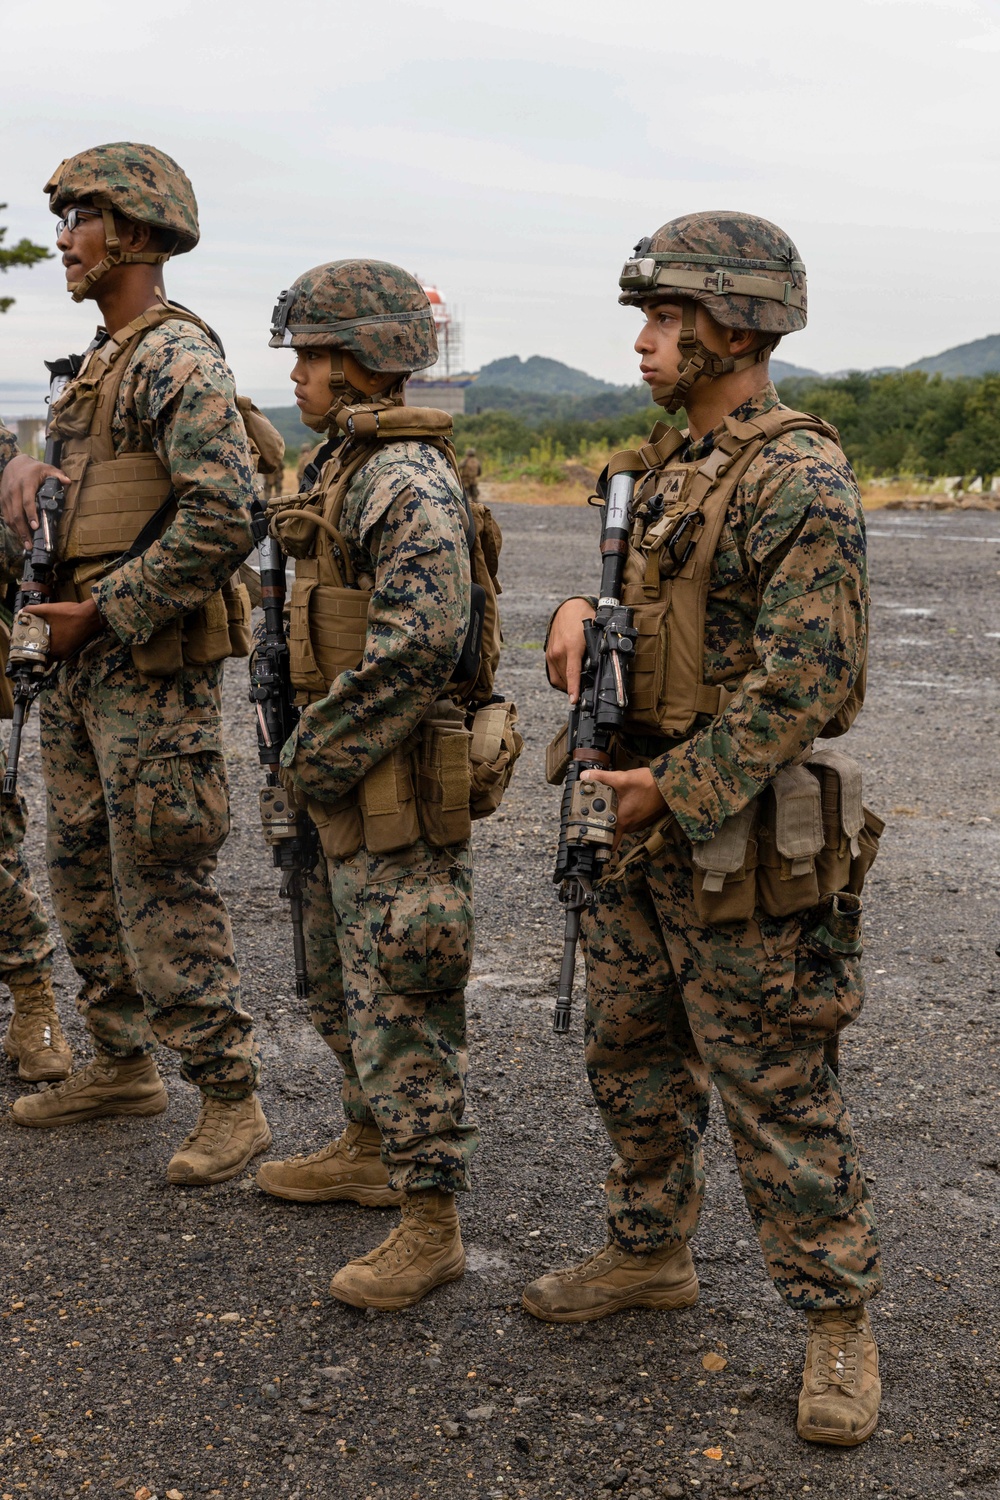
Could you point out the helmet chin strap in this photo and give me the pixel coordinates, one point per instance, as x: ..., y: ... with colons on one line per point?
x: 115, y: 256
x: 698, y: 362
x: 345, y: 394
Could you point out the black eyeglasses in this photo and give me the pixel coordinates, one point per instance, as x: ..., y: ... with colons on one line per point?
x: 73, y: 218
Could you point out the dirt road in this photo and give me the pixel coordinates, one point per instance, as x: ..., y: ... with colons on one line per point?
x: 162, y: 1341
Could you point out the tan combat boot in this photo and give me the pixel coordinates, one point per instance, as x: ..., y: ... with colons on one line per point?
x: 107, y: 1086
x: 841, y: 1391
x: 611, y: 1280
x: 229, y: 1134
x: 34, y: 1037
x: 350, y: 1168
x: 422, y: 1252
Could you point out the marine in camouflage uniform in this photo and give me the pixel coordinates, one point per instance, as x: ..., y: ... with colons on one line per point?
x: 470, y: 472
x: 132, y: 745
x: 34, y: 1037
x: 676, y: 1002
x: 389, y: 931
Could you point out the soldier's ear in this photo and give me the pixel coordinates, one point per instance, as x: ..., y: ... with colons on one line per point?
x: 743, y: 341
x: 132, y: 235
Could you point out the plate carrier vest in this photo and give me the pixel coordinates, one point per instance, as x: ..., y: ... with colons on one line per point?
x: 110, y: 499
x: 807, y: 835
x: 458, y: 762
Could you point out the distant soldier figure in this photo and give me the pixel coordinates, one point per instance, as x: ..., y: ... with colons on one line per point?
x: 34, y: 1038
x: 131, y: 734
x: 470, y: 472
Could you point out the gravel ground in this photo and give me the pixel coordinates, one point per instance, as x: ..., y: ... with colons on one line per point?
x: 163, y: 1342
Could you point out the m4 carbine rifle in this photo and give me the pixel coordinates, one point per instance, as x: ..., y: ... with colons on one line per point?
x: 287, y: 829
x: 28, y: 657
x: 589, y: 810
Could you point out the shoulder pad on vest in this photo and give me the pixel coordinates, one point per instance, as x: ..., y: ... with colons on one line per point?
x: 776, y: 422
x: 390, y: 423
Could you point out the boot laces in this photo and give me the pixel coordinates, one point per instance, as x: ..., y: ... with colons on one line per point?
x: 838, y: 1353
x: 389, y: 1255
x: 98, y: 1070
x: 604, y: 1259
x: 41, y: 1025
x: 340, y: 1147
x: 214, y: 1127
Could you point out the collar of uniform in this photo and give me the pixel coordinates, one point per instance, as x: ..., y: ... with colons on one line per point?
x: 754, y: 406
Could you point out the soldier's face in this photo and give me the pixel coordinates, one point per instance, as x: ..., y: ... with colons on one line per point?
x: 82, y: 247
x: 657, y: 344
x: 311, y: 374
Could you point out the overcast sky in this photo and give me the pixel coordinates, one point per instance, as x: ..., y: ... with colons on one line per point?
x: 513, y: 152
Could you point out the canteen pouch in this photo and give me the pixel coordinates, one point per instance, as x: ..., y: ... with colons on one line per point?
x: 387, y: 798
x: 444, y: 776
x: 493, y: 753
x: 557, y: 758
x: 724, y: 869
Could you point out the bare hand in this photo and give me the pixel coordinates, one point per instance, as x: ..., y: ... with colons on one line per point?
x: 22, y: 479
x: 72, y: 625
x: 639, y: 800
x: 564, y: 653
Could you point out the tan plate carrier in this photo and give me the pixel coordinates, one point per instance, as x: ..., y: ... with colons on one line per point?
x: 110, y: 499
x: 458, y: 762
x: 807, y: 836
x: 667, y: 690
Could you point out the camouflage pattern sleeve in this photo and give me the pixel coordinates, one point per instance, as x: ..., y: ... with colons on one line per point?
x: 408, y: 522
x: 805, y: 548
x: 178, y: 399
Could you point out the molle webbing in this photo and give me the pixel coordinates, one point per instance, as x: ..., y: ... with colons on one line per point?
x: 112, y: 505
x: 328, y: 627
x: 667, y: 690
x: 328, y: 620
x: 111, y: 498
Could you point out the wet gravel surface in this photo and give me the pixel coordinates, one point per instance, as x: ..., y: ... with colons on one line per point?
x: 162, y: 1342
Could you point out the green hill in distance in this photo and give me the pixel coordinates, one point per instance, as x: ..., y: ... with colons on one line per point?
x: 981, y: 357
x: 539, y: 376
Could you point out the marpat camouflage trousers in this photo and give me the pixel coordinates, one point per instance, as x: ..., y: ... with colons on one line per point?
x: 25, y: 941
x: 674, y: 1005
x: 390, y: 946
x: 138, y: 808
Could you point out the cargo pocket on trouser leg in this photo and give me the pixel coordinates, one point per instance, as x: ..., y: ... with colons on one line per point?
x: 424, y: 943
x: 181, y: 793
x: 811, y: 984
x: 409, y: 1043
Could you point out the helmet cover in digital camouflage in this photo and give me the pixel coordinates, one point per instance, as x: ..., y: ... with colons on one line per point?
x: 136, y: 182
x: 376, y: 311
x: 745, y: 270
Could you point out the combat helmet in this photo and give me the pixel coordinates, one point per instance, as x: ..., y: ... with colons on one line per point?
x: 743, y: 269
x: 374, y: 310
x: 137, y: 182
